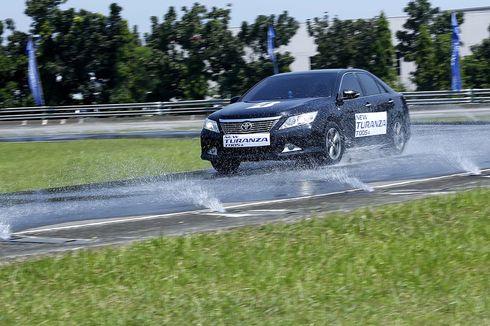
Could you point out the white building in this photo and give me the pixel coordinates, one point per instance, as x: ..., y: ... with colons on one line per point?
x: 473, y: 31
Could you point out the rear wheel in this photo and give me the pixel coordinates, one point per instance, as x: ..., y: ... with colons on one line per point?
x: 398, y: 137
x: 334, y: 144
x: 226, y: 166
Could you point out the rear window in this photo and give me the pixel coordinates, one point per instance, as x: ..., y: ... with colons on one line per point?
x: 369, y: 84
x: 293, y: 86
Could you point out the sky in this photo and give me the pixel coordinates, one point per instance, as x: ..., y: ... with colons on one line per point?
x: 138, y: 12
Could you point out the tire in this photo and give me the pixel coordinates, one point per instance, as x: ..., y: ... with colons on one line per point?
x: 397, y: 137
x: 226, y: 167
x: 333, y: 144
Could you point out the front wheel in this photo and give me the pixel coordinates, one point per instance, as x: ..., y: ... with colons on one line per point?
x: 226, y: 167
x: 333, y: 144
x: 398, y: 137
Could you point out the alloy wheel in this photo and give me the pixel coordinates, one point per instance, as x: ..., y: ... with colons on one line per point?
x: 334, y: 144
x: 398, y: 136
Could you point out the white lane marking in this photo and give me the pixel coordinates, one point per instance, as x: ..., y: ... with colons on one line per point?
x: 106, y: 222
x: 228, y: 214
x: 389, y: 185
x: 268, y: 210
x: 406, y: 193
x: 434, y: 193
x: 275, y: 201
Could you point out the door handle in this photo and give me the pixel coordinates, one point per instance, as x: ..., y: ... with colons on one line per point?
x: 368, y: 105
x: 390, y: 101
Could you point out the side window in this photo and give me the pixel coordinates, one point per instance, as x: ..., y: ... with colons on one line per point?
x: 369, y: 84
x: 350, y: 83
x: 382, y: 88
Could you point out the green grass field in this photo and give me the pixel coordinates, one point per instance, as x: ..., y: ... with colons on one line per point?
x: 26, y: 166
x: 420, y: 263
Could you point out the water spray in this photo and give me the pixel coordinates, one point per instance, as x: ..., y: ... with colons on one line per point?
x: 5, y: 233
x: 342, y: 176
x: 339, y: 175
x: 197, y: 194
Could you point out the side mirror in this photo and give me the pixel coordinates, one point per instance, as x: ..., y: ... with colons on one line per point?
x: 350, y: 94
x: 235, y: 99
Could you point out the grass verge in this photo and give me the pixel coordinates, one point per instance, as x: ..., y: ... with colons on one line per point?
x: 419, y: 263
x: 26, y: 166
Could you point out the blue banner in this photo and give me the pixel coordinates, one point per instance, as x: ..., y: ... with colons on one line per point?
x: 271, y: 35
x: 455, y: 44
x: 33, y: 74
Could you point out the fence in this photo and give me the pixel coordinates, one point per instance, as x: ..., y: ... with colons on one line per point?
x: 465, y: 96
x: 206, y: 106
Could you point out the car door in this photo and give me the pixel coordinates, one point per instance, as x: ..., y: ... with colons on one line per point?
x: 353, y: 109
x: 388, y: 103
x: 373, y: 126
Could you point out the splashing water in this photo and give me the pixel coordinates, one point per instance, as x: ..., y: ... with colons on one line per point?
x: 467, y: 165
x: 202, y: 198
x: 338, y: 175
x: 452, y: 152
x: 198, y: 195
x: 461, y: 161
x: 342, y: 176
x: 4, y: 231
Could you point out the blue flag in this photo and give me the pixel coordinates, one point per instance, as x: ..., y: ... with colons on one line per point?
x: 33, y: 74
x: 271, y: 35
x: 455, y: 44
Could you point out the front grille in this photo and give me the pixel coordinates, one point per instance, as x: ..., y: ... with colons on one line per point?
x: 255, y: 127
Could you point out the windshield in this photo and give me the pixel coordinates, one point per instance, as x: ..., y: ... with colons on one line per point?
x: 292, y: 86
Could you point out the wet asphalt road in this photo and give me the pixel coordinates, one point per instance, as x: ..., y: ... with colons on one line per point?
x: 432, y: 151
x: 121, y: 231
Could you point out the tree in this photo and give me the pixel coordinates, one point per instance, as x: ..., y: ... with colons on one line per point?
x: 13, y: 68
x: 438, y: 26
x: 165, y: 58
x: 224, y: 53
x: 364, y: 44
x: 254, y: 38
x: 335, y: 41
x: 476, y: 67
x: 201, y: 51
x: 383, y: 64
x: 209, y: 59
x: 43, y: 12
x: 420, y: 12
x: 98, y: 57
x: 425, y: 58
x: 81, y: 52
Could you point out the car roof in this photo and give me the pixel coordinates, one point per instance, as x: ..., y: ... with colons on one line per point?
x: 321, y: 71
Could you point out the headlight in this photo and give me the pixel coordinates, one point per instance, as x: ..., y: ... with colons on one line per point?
x: 211, y: 125
x: 299, y: 120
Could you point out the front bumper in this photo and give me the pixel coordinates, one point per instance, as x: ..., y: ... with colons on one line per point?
x: 307, y: 139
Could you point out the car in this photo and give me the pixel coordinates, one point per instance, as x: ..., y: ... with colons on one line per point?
x: 312, y: 116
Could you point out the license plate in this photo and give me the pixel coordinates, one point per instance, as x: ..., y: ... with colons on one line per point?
x: 247, y: 140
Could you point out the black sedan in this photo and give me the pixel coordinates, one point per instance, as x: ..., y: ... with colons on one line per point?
x: 313, y: 116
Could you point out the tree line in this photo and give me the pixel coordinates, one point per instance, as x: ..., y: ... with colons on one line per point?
x: 193, y: 53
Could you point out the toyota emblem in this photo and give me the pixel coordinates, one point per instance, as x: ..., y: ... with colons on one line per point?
x: 246, y: 126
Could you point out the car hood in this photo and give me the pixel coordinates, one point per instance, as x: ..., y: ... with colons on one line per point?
x: 244, y: 110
